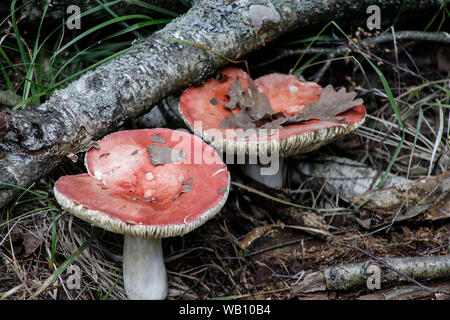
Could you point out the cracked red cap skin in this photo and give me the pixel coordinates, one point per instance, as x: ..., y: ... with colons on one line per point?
x: 125, y: 193
x: 286, y: 94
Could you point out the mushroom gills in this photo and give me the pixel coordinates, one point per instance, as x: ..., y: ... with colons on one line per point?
x: 144, y: 272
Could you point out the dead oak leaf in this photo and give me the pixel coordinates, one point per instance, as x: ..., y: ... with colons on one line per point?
x: 254, y: 107
x: 26, y: 242
x: 330, y: 104
x: 257, y: 113
x: 236, y: 95
x: 32, y: 241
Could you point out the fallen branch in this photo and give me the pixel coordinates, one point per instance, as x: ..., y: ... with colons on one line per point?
x: 393, y: 271
x: 33, y: 142
x: 410, y: 292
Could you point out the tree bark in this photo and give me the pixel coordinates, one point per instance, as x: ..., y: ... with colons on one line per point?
x: 347, y: 276
x: 33, y: 142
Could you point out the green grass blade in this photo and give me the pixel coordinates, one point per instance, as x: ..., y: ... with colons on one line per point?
x: 5, y: 75
x: 308, y: 63
x: 25, y: 189
x: 136, y: 26
x: 14, y: 12
x: 314, y: 39
x: 265, y: 195
x: 308, y: 39
x: 23, y: 52
x: 445, y: 90
x: 5, y: 222
x: 399, y: 13
x: 98, y: 27
x: 106, y: 296
x: 93, y: 66
x: 28, y: 85
x: 114, y: 15
x: 154, y: 8
x: 8, y: 61
x: 435, y: 16
x: 65, y: 265
x: 53, y: 243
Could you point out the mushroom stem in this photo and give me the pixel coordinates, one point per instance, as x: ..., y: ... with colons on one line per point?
x: 144, y: 272
x: 256, y: 172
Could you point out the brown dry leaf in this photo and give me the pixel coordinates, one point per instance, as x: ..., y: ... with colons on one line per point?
x: 16, y: 234
x: 330, y: 104
x: 237, y: 120
x: 29, y: 241
x: 32, y: 241
x: 158, y: 139
x: 256, y: 111
x: 254, y: 234
x: 254, y: 105
x: 440, y: 210
x: 164, y: 154
x: 236, y: 95
x: 259, y: 104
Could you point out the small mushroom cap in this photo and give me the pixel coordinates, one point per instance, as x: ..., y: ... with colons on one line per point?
x: 286, y: 93
x: 125, y: 192
x: 205, y: 105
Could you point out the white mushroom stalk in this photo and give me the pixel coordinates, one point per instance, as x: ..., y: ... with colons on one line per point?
x: 144, y: 271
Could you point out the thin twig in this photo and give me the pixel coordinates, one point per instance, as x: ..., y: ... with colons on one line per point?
x: 386, y: 37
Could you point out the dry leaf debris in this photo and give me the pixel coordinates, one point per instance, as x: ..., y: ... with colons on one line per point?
x: 256, y: 111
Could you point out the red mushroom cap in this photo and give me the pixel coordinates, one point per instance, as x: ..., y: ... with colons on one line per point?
x: 197, y: 103
x: 148, y: 183
x: 285, y: 93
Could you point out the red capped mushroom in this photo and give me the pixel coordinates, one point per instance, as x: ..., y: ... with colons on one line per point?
x: 147, y: 184
x: 295, y: 117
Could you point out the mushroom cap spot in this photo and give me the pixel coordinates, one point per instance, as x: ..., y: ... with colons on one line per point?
x: 292, y: 139
x: 149, y: 176
x: 293, y: 89
x: 133, y: 204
